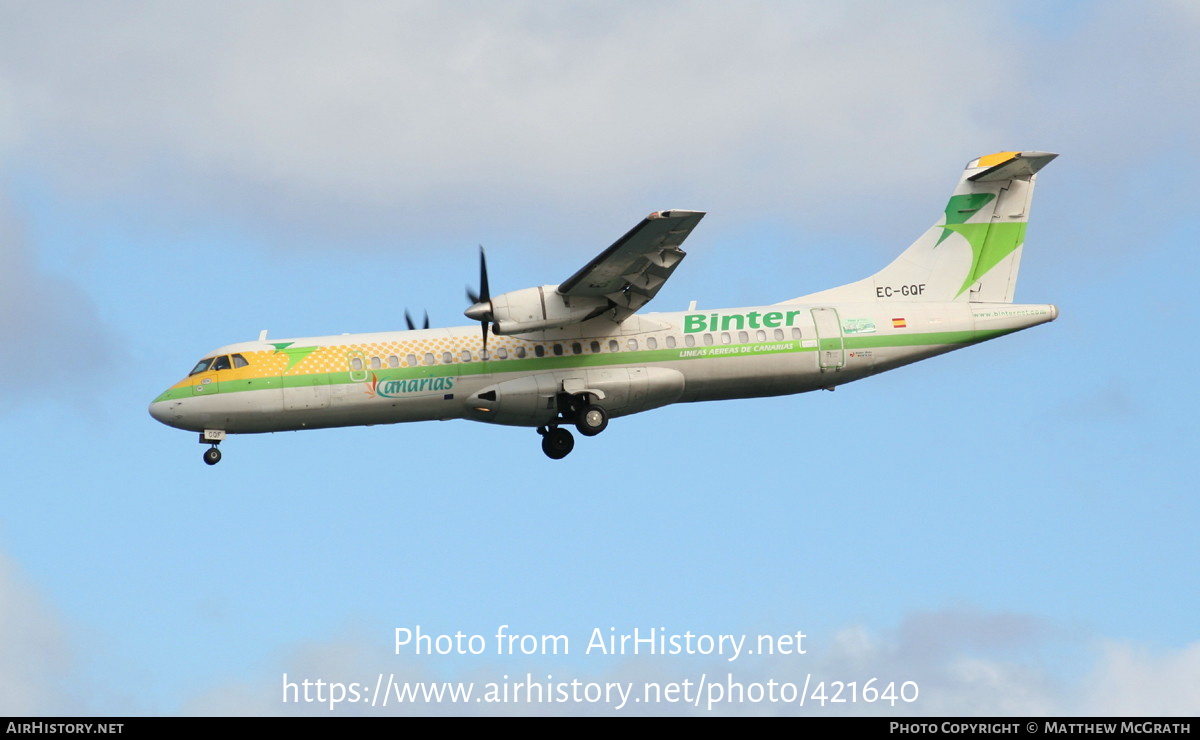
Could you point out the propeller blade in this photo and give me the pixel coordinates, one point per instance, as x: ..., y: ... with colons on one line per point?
x: 485, y: 294
x: 412, y: 324
x: 481, y: 302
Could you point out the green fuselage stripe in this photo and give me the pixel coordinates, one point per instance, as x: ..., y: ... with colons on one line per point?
x: 566, y: 361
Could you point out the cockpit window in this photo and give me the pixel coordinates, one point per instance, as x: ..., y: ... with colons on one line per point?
x: 221, y: 362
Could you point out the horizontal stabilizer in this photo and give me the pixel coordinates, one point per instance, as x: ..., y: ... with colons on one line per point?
x: 1010, y: 165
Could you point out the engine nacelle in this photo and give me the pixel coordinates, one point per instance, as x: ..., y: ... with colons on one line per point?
x: 536, y: 309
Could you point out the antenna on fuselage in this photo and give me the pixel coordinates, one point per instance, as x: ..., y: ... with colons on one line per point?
x: 262, y: 335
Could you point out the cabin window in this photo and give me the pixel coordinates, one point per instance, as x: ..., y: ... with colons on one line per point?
x: 576, y: 348
x: 595, y: 347
x: 743, y: 337
x: 558, y: 350
x: 613, y: 346
x: 671, y: 342
x: 356, y: 364
x: 484, y: 355
x: 633, y: 344
x: 447, y: 358
x: 690, y: 340
x: 502, y: 353
x: 429, y: 359
x: 202, y: 365
x: 375, y: 363
x: 221, y: 363
x: 520, y: 353
x: 778, y: 334
x: 707, y: 340
x: 539, y: 350
x: 651, y: 343
x: 411, y: 360
x: 761, y: 335
x: 239, y: 361
x: 393, y: 361
x: 466, y: 355
x: 725, y: 337
x: 795, y: 333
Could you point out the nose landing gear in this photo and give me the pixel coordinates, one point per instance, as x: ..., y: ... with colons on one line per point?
x: 212, y: 437
x: 212, y: 455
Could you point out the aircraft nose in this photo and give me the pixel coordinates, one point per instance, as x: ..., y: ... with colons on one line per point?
x: 158, y: 411
x: 165, y: 412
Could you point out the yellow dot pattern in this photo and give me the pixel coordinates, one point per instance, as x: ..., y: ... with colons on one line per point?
x: 335, y: 354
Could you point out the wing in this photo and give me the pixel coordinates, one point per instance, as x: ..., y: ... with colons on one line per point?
x: 631, y: 271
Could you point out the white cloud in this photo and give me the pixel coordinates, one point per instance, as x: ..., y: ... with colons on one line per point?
x: 36, y: 662
x: 48, y: 326
x: 450, y: 114
x: 963, y: 662
x: 1132, y: 681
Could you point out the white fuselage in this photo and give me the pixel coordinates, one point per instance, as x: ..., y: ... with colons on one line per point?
x: 652, y: 360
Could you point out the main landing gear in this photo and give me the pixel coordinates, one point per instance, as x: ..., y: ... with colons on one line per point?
x: 557, y: 442
x: 589, y: 419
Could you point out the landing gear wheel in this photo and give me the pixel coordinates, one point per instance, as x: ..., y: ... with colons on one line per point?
x: 212, y: 456
x: 557, y: 443
x: 591, y: 420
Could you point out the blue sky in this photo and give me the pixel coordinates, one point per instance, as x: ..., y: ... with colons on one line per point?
x: 1011, y: 526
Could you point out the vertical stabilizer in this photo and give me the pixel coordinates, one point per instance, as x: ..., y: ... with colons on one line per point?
x: 973, y: 252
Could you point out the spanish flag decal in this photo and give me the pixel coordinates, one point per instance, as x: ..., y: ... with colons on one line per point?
x: 899, y: 324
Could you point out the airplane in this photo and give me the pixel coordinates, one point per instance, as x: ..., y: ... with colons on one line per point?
x: 578, y: 353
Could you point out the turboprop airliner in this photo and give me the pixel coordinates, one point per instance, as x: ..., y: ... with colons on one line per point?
x: 578, y: 354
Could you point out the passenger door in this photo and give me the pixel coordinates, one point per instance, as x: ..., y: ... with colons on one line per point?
x: 831, y: 348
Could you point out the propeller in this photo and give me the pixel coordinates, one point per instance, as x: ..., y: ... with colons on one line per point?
x: 481, y: 303
x: 411, y: 324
